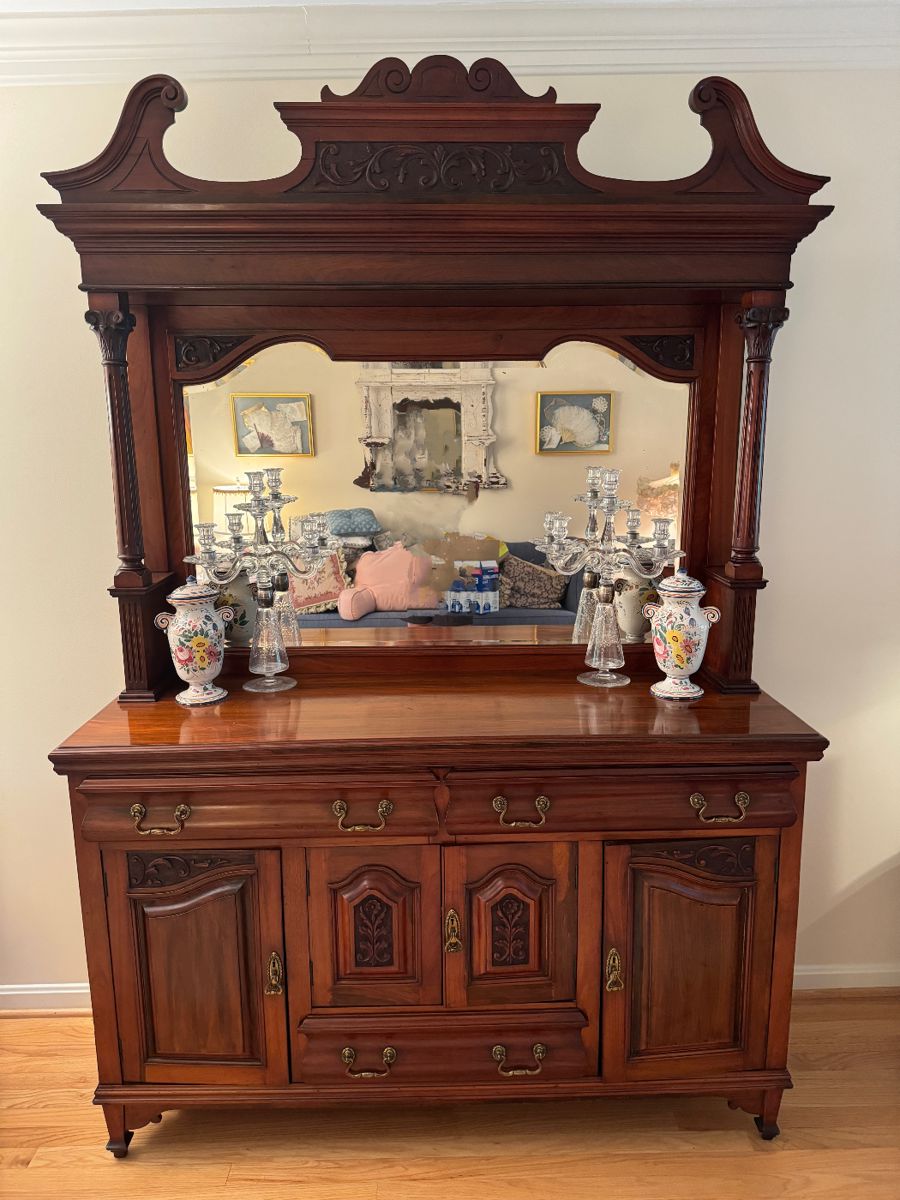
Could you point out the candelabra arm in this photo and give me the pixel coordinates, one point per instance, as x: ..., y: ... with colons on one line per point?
x: 625, y: 557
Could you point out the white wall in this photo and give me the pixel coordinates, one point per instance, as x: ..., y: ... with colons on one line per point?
x: 649, y: 433
x: 829, y: 523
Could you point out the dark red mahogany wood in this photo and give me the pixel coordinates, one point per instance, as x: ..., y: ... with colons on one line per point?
x: 472, y: 878
x: 405, y: 190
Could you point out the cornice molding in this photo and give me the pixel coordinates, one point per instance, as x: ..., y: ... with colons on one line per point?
x: 340, y: 41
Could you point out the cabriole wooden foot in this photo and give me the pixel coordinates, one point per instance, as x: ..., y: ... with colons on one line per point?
x: 119, y: 1136
x: 767, y: 1131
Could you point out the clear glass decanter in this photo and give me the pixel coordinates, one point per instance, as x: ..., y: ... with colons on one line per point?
x: 605, y: 647
x: 287, y: 616
x: 587, y: 609
x: 268, y: 657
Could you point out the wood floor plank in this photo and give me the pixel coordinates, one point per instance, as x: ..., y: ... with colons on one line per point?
x: 840, y: 1139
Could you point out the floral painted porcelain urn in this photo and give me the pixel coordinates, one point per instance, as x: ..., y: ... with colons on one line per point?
x: 196, y: 633
x: 680, y: 628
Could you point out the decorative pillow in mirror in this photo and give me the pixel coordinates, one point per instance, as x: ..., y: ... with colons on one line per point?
x: 527, y: 585
x: 320, y: 592
x: 352, y: 522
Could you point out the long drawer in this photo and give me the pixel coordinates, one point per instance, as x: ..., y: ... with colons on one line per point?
x: 445, y: 1048
x: 523, y: 804
x: 239, y: 807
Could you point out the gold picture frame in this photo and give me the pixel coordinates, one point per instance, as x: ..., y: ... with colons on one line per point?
x: 279, y: 430
x: 549, y: 404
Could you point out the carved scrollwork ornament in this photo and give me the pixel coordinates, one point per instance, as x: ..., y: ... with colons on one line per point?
x: 672, y: 350
x: 112, y: 327
x: 760, y: 324
x: 202, y: 350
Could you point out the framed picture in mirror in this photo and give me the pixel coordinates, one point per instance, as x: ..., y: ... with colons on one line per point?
x: 272, y: 424
x: 574, y: 422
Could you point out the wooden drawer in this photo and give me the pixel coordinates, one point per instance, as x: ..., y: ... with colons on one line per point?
x: 609, y: 801
x: 443, y: 1048
x: 246, y: 808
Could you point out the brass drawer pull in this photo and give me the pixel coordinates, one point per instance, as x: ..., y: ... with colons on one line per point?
x: 384, y: 810
x: 614, y: 981
x: 181, y: 814
x: 452, y: 930
x: 388, y: 1057
x: 275, y: 985
x: 699, y: 801
x: 498, y: 1054
x: 541, y: 803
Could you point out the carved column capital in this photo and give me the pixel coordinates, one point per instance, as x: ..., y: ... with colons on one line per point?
x: 760, y: 323
x: 112, y: 327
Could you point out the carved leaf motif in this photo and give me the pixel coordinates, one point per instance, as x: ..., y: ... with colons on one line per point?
x: 164, y: 870
x: 373, y: 933
x: 416, y: 167
x: 668, y: 349
x: 510, y: 927
x: 729, y: 859
x: 201, y: 350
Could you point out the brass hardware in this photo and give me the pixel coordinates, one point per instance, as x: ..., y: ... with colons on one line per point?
x: 384, y: 810
x: 542, y: 804
x: 614, y: 981
x: 452, y: 931
x: 539, y: 1050
x: 742, y: 800
x: 275, y: 986
x: 388, y: 1057
x: 181, y: 814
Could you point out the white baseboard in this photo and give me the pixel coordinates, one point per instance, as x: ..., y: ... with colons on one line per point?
x: 44, y: 995
x: 833, y: 975
x: 847, y: 975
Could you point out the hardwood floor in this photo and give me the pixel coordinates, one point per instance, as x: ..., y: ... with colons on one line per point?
x: 840, y: 1134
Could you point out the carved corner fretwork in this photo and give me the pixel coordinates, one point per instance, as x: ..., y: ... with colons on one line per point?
x: 196, y: 350
x: 672, y: 350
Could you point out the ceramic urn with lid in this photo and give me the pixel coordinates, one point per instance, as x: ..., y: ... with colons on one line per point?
x: 680, y: 628
x: 196, y: 633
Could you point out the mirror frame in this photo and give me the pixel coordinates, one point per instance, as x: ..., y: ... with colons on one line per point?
x: 438, y: 213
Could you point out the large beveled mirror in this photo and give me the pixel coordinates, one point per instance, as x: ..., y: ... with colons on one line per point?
x: 435, y: 477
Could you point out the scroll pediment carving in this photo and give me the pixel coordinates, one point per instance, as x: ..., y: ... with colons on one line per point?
x: 436, y: 79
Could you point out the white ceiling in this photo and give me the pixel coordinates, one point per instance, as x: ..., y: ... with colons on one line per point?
x: 80, y: 41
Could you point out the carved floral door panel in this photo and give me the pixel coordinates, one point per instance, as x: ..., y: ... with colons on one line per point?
x: 198, y: 960
x: 510, y: 923
x: 688, y: 939
x: 375, y: 925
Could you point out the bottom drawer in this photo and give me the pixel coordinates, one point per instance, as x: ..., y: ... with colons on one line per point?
x: 465, y: 1048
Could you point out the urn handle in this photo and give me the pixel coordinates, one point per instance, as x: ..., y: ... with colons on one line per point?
x: 650, y: 610
x: 712, y: 614
x: 162, y: 620
x: 227, y: 613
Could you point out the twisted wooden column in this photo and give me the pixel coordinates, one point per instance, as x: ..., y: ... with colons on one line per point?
x: 760, y: 319
x: 112, y: 326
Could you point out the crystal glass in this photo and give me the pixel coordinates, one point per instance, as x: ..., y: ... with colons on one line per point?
x: 268, y: 657
x: 595, y: 478
x: 287, y: 615
x: 662, y: 530
x: 605, y: 647
x: 587, y: 609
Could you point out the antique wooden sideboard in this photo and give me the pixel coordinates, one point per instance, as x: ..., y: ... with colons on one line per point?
x: 437, y: 871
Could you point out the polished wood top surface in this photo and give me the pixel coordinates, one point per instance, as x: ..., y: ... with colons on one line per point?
x: 413, y: 718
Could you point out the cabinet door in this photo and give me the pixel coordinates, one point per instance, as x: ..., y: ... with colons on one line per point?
x: 688, y: 930
x: 198, y: 962
x: 375, y: 925
x: 516, y: 941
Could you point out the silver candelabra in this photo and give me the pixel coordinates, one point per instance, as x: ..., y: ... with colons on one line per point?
x: 602, y: 552
x: 269, y: 556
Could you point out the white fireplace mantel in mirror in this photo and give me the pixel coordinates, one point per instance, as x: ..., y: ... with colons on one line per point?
x: 462, y: 392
